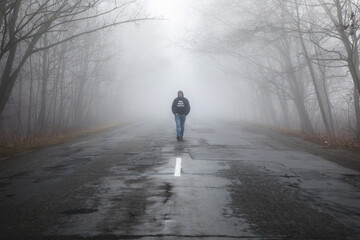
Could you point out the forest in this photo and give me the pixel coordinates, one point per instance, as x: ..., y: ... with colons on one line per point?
x: 64, y: 64
x: 300, y: 58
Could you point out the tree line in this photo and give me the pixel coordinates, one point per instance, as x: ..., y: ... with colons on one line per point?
x: 53, y: 57
x: 301, y: 58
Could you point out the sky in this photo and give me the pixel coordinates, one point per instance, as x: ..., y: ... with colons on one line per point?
x: 164, y: 64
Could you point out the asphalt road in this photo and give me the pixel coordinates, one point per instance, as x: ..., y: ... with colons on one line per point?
x: 236, y: 182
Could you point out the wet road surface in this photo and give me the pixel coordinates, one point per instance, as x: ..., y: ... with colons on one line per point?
x: 236, y: 182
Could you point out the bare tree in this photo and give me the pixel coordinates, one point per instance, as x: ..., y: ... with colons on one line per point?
x: 298, y: 48
x: 24, y: 23
x: 343, y: 15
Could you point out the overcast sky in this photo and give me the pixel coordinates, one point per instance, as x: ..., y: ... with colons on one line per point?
x: 160, y: 52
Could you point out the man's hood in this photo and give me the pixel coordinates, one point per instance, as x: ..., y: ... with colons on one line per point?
x: 180, y: 92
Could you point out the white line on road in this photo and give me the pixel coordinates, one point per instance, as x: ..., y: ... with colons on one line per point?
x: 177, y: 167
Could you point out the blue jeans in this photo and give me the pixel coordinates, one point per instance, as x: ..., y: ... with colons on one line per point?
x: 180, y: 124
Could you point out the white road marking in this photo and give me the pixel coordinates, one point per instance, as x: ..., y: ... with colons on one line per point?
x: 177, y: 167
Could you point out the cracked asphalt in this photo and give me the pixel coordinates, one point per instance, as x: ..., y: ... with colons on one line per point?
x: 237, y: 181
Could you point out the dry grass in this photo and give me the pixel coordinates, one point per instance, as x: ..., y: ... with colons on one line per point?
x: 37, y: 142
x: 325, y: 140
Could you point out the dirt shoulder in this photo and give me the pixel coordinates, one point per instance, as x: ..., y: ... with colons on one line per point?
x: 40, y: 142
x: 345, y: 158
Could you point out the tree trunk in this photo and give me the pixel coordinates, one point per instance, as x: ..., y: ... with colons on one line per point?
x: 357, y: 114
x: 320, y: 92
x: 285, y: 109
x: 79, y: 102
x: 62, y: 97
x: 6, y: 84
x: 45, y: 79
x: 19, y: 122
x: 52, y: 112
x: 297, y: 90
x: 269, y: 105
x: 30, y: 98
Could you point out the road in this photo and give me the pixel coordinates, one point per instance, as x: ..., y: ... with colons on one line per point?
x: 236, y: 181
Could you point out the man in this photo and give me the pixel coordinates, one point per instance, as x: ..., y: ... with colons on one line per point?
x: 180, y: 109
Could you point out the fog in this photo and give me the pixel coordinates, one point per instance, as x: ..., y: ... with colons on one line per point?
x: 160, y: 62
x: 277, y: 63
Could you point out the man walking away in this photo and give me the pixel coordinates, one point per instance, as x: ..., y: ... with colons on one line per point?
x: 180, y: 109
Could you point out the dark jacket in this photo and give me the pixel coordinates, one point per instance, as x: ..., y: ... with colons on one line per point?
x: 181, y: 106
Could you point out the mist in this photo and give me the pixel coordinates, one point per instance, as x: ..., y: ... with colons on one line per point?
x: 159, y: 61
x: 179, y: 119
x: 125, y: 61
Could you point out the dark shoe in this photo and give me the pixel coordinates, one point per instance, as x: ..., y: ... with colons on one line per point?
x: 178, y: 138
